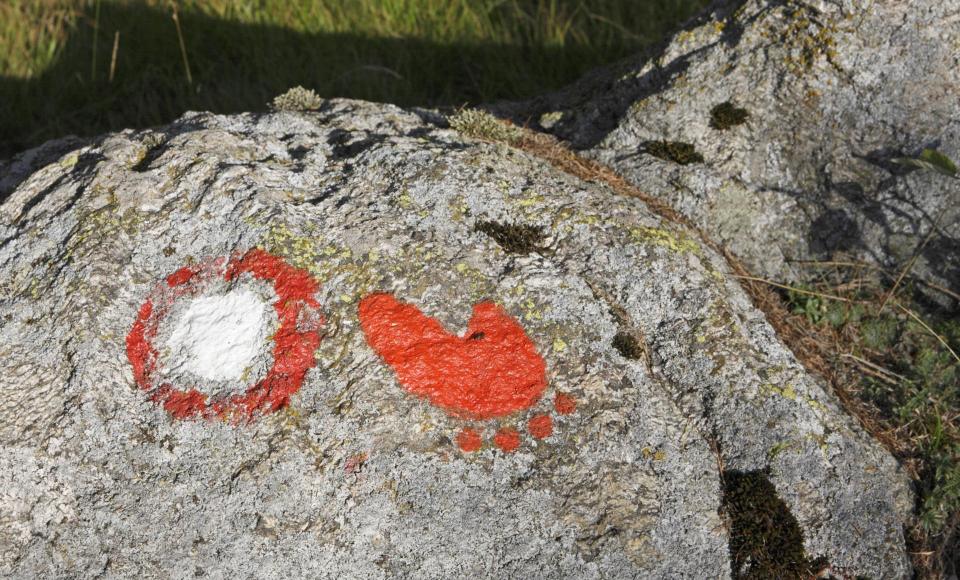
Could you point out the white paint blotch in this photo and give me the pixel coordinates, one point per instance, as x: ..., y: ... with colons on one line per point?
x: 218, y: 336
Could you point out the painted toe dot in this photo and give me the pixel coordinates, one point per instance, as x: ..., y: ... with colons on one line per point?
x: 564, y: 404
x: 540, y: 426
x: 507, y: 439
x: 469, y: 440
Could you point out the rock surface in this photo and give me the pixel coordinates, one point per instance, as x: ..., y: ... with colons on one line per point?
x: 129, y: 448
x: 794, y: 111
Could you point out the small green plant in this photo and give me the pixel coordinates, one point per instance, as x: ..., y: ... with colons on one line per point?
x: 676, y: 151
x: 836, y: 314
x: 942, y: 497
x: 879, y: 333
x: 810, y: 306
x: 482, y: 125
x: 932, y: 160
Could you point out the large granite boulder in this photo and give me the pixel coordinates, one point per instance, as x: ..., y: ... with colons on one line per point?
x: 353, y: 343
x: 775, y: 125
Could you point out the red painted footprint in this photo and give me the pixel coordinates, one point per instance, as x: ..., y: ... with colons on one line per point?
x: 492, y: 371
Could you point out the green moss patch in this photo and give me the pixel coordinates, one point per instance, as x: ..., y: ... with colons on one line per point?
x: 676, y: 151
x: 765, y: 539
x: 513, y: 238
x: 726, y: 115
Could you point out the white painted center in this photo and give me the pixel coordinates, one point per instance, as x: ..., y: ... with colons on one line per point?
x: 218, y: 336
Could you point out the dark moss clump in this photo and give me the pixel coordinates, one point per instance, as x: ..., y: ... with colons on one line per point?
x: 676, y: 151
x: 765, y: 538
x: 513, y: 238
x: 627, y: 345
x: 726, y: 115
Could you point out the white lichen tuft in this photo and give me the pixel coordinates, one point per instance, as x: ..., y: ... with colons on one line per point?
x: 482, y: 125
x: 297, y: 99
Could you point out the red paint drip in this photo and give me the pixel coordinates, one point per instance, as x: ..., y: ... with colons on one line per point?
x: 540, y: 426
x: 564, y: 404
x: 507, y: 439
x: 469, y: 440
x: 295, y: 341
x: 491, y: 371
x: 181, y: 276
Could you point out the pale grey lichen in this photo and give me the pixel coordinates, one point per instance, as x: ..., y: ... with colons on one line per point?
x: 482, y: 125
x: 297, y: 99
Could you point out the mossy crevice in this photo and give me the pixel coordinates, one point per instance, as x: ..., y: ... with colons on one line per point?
x: 726, y: 115
x: 765, y: 539
x: 628, y: 346
x: 675, y: 151
x: 514, y: 238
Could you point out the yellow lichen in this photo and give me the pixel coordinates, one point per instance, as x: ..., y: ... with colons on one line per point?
x: 559, y: 345
x: 787, y: 391
x: 675, y: 242
x: 656, y: 455
x: 69, y: 161
x: 779, y: 448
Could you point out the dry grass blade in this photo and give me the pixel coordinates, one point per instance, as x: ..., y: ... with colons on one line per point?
x: 940, y: 288
x: 875, y: 268
x: 909, y: 266
x: 113, y: 57
x: 96, y: 31
x: 794, y: 288
x: 875, y: 369
x: 926, y: 327
x: 183, y: 46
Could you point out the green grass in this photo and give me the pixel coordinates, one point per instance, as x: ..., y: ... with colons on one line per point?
x: 56, y: 55
x: 909, y: 381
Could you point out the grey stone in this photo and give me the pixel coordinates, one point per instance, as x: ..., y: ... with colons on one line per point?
x: 356, y: 477
x: 834, y: 90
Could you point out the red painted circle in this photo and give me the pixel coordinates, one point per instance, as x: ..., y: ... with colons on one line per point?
x: 469, y: 440
x: 507, y: 439
x: 540, y: 426
x: 295, y: 340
